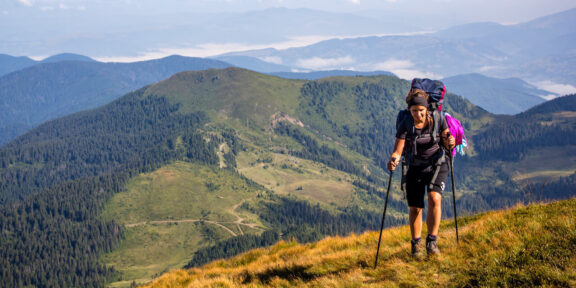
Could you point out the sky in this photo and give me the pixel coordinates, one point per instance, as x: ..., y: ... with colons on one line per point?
x: 497, y: 10
x: 476, y: 10
x: 25, y: 22
x: 28, y: 26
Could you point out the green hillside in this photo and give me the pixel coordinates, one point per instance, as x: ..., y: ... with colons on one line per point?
x: 209, y: 164
x: 528, y: 246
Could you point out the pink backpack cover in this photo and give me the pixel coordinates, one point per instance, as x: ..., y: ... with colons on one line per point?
x: 457, y: 132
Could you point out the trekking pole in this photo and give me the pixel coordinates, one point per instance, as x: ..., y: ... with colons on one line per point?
x: 383, y: 217
x: 453, y: 194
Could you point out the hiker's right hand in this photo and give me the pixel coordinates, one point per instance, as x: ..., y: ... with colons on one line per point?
x: 394, y: 160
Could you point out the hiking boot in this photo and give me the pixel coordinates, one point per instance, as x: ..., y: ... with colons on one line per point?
x: 417, y: 249
x: 432, y: 247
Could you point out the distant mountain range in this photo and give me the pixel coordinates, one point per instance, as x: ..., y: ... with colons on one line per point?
x: 538, y: 50
x: 64, y: 84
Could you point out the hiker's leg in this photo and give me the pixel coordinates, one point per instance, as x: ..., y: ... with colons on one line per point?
x: 435, y: 200
x: 415, y: 191
x: 415, y: 218
x: 434, y: 212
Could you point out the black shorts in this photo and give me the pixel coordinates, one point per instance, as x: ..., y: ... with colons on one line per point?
x: 418, y: 182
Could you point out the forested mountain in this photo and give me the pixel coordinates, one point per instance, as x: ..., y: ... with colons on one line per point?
x: 548, y: 125
x: 46, y: 91
x: 233, y: 159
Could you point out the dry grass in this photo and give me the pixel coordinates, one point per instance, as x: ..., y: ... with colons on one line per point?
x: 522, y: 247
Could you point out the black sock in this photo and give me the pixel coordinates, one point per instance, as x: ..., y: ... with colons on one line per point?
x: 431, y: 237
x: 416, y: 240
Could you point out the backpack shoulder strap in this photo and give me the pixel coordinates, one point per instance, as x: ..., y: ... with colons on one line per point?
x: 404, y: 120
x: 438, y: 118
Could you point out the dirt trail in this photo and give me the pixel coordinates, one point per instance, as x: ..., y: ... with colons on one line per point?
x: 239, y: 222
x: 182, y: 221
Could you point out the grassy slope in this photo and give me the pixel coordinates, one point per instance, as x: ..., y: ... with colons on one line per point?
x: 522, y: 247
x: 162, y: 211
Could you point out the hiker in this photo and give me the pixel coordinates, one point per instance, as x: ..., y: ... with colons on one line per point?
x: 426, y: 167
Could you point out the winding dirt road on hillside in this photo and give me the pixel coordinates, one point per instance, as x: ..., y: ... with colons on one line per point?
x: 239, y: 222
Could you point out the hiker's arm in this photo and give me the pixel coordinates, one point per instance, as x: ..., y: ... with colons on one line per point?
x: 396, y: 154
x: 448, y: 139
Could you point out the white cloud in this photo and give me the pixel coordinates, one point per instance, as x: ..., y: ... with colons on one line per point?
x: 272, y: 59
x: 318, y: 63
x: 403, y: 69
x: 214, y: 49
x: 558, y: 88
x: 488, y: 68
x: 393, y: 64
x: 28, y: 3
x: 356, y: 2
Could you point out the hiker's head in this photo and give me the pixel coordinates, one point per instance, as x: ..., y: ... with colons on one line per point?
x: 417, y: 101
x: 417, y: 95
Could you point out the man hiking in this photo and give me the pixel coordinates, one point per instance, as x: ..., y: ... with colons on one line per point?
x: 425, y: 168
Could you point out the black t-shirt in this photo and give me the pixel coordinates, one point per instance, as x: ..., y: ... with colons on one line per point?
x: 425, y: 147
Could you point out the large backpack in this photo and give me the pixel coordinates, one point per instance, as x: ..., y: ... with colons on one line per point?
x: 435, y: 89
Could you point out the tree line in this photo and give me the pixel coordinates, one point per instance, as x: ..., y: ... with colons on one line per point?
x: 232, y: 247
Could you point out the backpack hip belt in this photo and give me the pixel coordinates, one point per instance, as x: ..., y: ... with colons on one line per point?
x: 436, y: 162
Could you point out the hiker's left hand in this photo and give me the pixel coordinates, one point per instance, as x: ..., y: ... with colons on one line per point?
x: 449, y: 142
